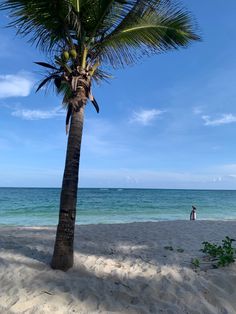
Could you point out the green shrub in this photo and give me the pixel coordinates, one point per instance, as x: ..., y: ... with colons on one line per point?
x: 223, y: 254
x: 195, y: 262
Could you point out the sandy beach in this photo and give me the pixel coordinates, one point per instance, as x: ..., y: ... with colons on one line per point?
x: 122, y: 268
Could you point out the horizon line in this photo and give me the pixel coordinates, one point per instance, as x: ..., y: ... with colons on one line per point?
x: 117, y: 188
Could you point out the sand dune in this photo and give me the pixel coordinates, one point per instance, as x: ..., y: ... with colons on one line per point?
x: 121, y: 268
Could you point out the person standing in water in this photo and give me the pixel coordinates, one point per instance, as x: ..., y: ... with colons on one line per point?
x: 193, y: 214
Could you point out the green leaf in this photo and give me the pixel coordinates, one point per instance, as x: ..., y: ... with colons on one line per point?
x: 46, y: 80
x: 45, y: 23
x: 147, y: 30
x: 46, y: 65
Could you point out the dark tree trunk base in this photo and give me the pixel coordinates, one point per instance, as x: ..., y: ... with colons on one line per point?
x: 63, y: 263
x: 63, y: 256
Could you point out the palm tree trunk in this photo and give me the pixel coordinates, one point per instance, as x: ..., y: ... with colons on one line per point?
x: 63, y: 255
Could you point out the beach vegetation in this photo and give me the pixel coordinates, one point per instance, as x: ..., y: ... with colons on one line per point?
x: 220, y: 255
x: 169, y: 248
x: 195, y: 262
x: 82, y: 40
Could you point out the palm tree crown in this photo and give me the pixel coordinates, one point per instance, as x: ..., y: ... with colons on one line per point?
x: 81, y: 36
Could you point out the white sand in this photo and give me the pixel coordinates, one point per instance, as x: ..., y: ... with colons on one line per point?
x: 118, y: 269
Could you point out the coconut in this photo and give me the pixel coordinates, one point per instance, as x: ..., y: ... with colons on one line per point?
x: 73, y: 53
x: 65, y: 55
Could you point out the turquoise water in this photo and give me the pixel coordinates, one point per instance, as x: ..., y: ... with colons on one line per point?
x: 33, y: 206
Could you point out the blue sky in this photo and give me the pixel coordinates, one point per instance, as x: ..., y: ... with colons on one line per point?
x: 169, y: 122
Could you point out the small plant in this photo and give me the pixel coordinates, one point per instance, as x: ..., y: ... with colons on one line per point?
x: 224, y: 254
x: 195, y: 262
x: 170, y: 248
x: 211, y: 249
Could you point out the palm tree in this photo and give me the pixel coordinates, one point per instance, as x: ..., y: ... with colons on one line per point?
x: 81, y: 38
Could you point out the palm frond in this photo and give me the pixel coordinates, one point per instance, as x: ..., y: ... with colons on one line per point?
x: 46, y: 23
x: 101, y: 75
x: 46, y: 65
x: 65, y: 90
x: 95, y: 104
x: 147, y: 30
x: 104, y: 15
x: 46, y: 81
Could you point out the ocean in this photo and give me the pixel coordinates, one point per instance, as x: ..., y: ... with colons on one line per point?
x: 40, y: 206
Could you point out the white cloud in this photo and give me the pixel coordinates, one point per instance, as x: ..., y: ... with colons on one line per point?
x: 232, y: 176
x: 145, y: 117
x: 27, y: 114
x: 227, y: 168
x: 225, y: 119
x: 218, y: 179
x: 15, y: 85
x: 152, y: 179
x: 197, y: 110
